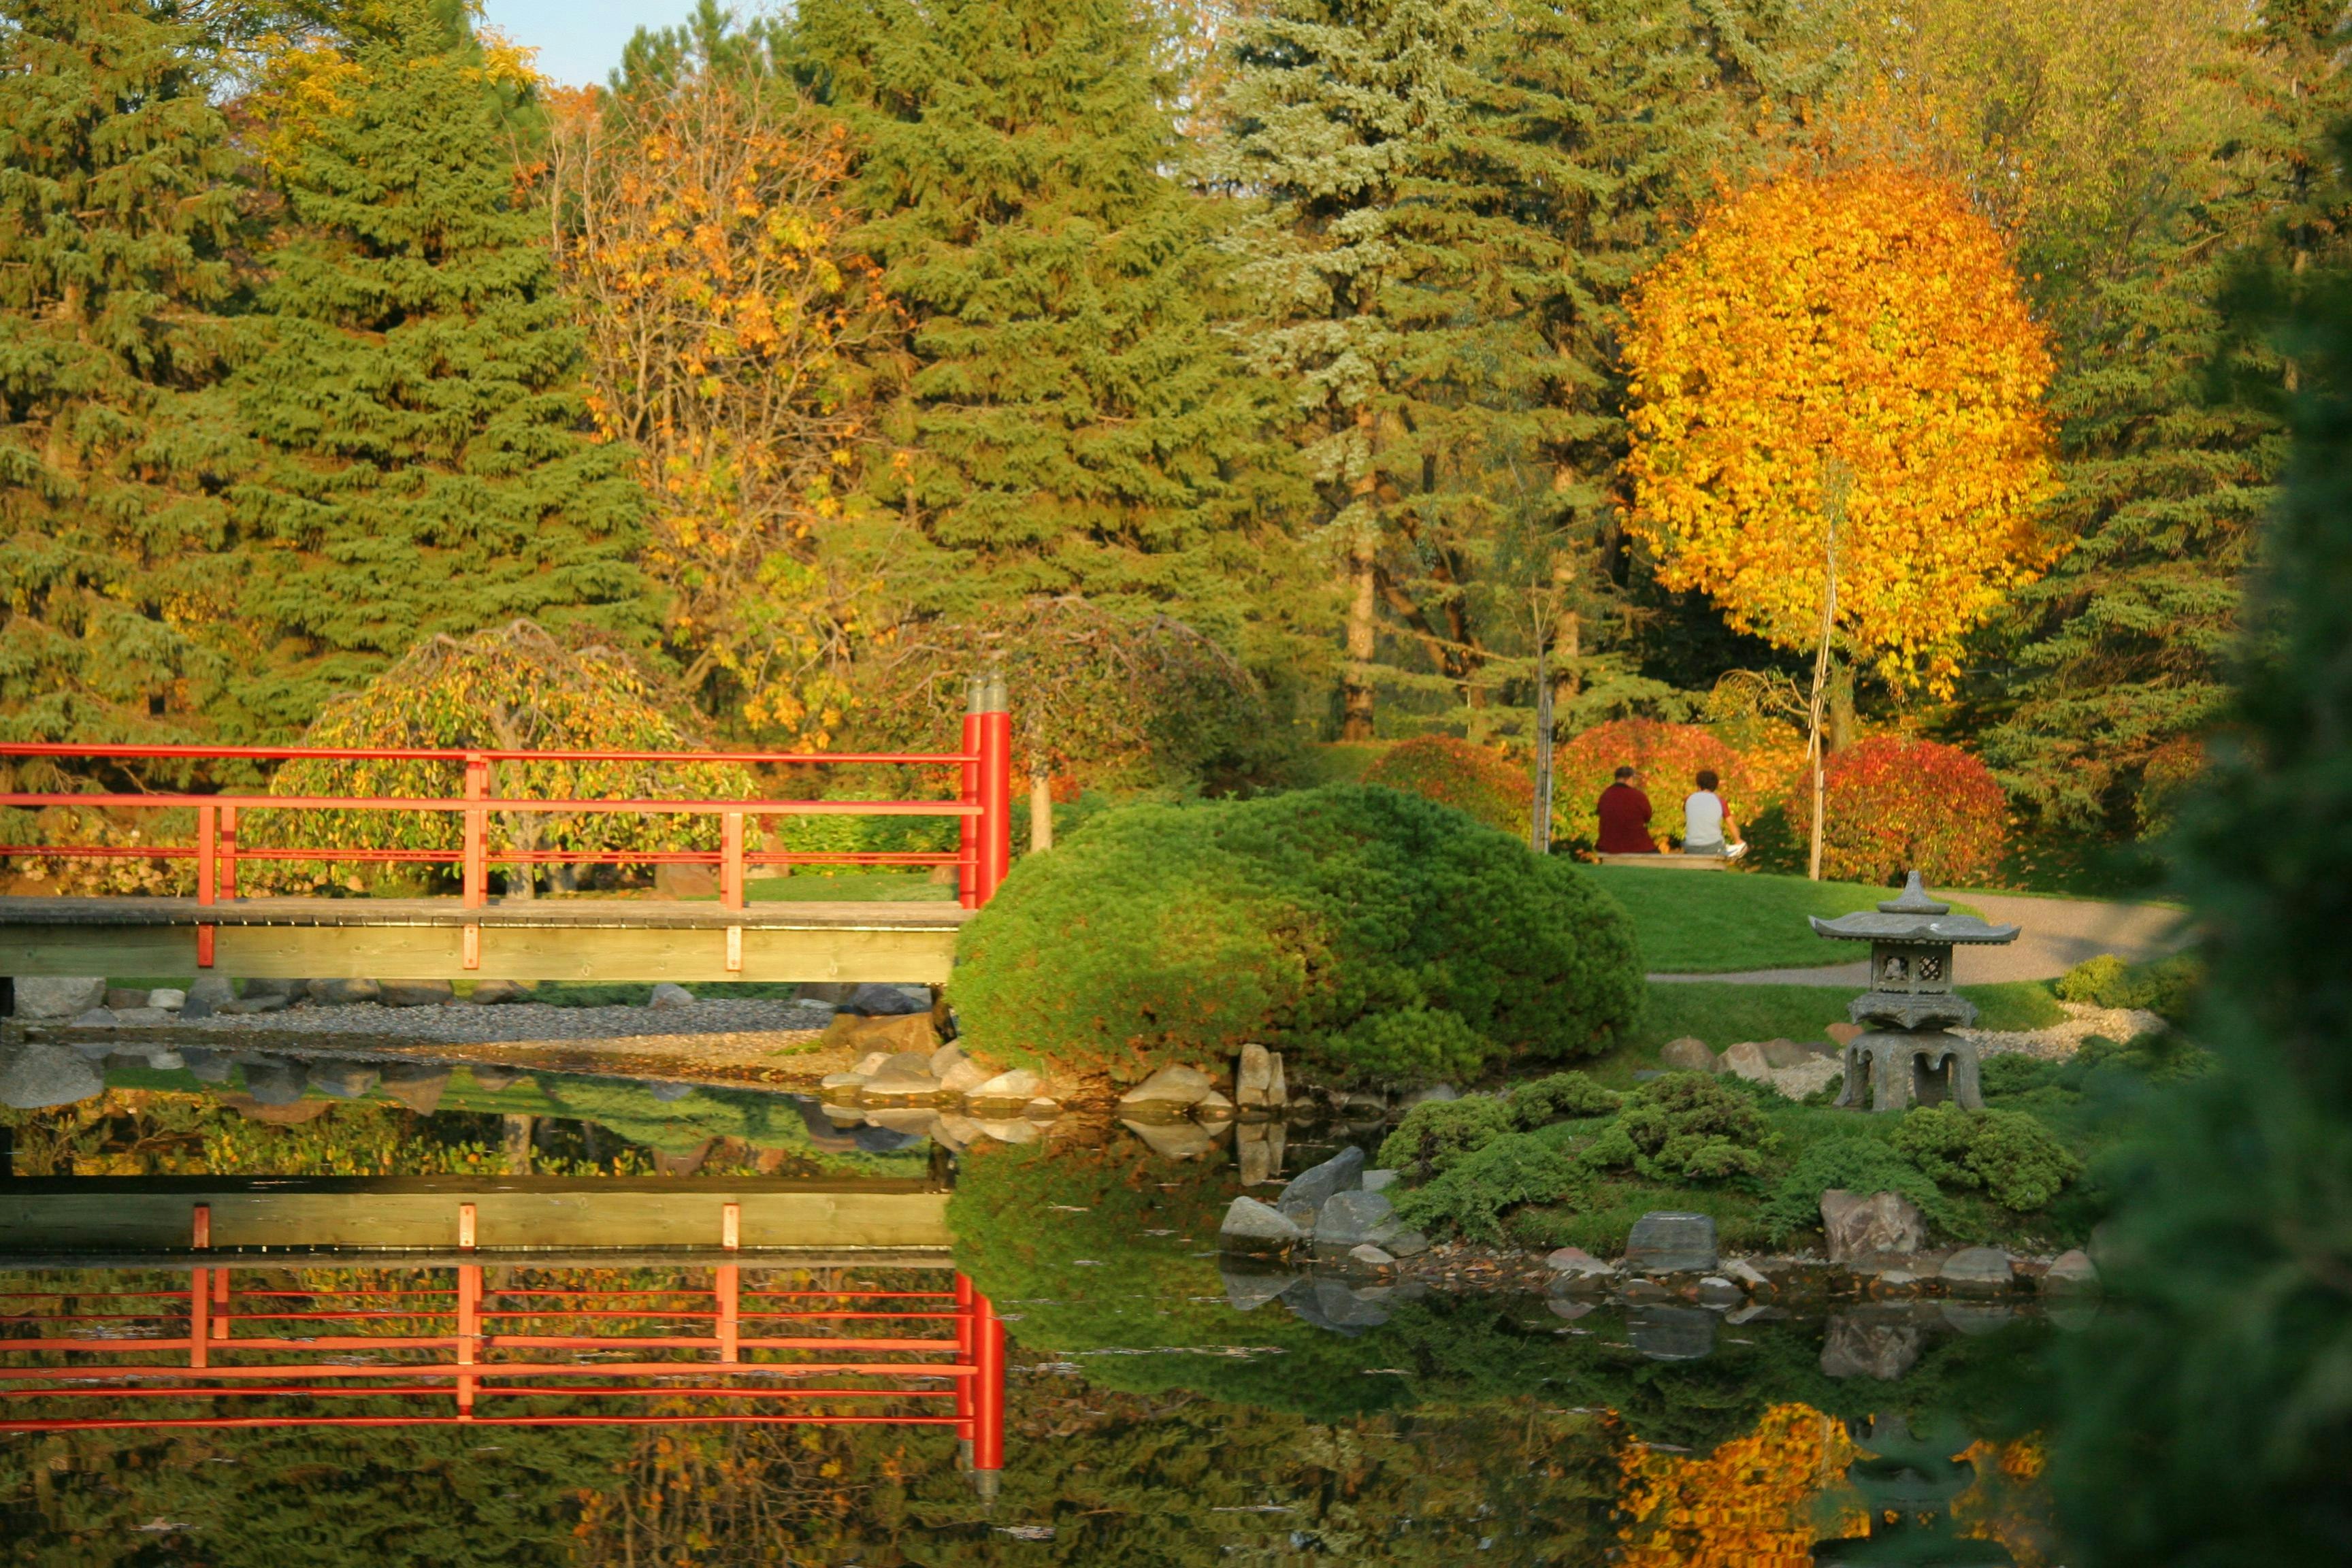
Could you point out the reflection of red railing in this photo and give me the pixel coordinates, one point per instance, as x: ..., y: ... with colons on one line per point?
x: 723, y: 1352
x: 982, y: 808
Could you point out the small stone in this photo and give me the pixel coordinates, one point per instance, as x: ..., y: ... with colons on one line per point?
x: 963, y: 1077
x: 958, y: 1132
x: 1896, y: 1279
x: 500, y: 992
x: 1645, y: 1291
x: 667, y: 994
x: 1717, y: 1292
x: 1347, y: 1219
x: 1252, y: 1226
x: 96, y: 1018
x: 58, y: 995
x: 870, y: 1064
x: 288, y: 989
x: 203, y: 997
x: 944, y: 1060
x: 896, y: 1081
x: 1018, y: 1087
x: 1214, y: 1107
x: 1042, y: 1109
x: 1253, y: 1077
x: 1842, y: 1034
x: 342, y: 1079
x: 1746, y: 1060
x: 143, y: 1017
x: 1689, y: 1054
x: 1746, y: 1274
x: 417, y: 993
x: 1171, y: 1085
x: 875, y: 1001
x: 841, y: 1086
x: 1575, y: 1263
x: 123, y: 998
x: 1978, y: 1269
x: 1407, y: 1243
x: 1666, y: 1241
x: 890, y: 1033
x: 35, y: 1076
x: 166, y: 1061
x: 1381, y: 1181
x: 1787, y: 1054
x: 170, y: 998
x: 1343, y: 1172
x: 344, y: 993
x: 913, y: 1122
x: 1370, y: 1256
x: 2070, y: 1272
x: 1860, y: 1226
x: 1277, y: 1087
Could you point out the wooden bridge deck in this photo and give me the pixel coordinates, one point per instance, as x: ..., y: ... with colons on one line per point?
x: 441, y: 939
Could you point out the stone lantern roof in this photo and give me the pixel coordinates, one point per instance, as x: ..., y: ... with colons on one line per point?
x: 1915, y: 918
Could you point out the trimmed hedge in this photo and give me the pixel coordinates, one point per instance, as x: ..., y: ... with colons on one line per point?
x: 1468, y: 777
x: 1371, y: 935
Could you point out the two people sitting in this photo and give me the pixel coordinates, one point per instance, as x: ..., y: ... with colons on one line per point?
x: 1707, y: 827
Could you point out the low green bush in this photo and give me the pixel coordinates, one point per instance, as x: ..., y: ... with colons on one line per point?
x: 2167, y: 987
x: 1371, y: 935
x: 1859, y: 1163
x: 1562, y: 1097
x: 2009, y: 1155
x: 1686, y: 1127
x: 1435, y: 1133
x: 1469, y: 1198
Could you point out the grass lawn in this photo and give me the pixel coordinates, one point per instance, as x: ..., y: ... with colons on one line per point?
x: 1715, y: 922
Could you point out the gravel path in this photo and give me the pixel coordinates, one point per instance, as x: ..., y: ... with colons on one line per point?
x: 2059, y: 1041
x: 2055, y: 935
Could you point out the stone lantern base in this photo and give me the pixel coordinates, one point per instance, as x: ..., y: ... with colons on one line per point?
x: 1895, y: 1067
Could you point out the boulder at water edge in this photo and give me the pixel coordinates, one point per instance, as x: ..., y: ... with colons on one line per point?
x: 1343, y: 1172
x: 1018, y: 1087
x: 346, y: 993
x: 1572, y: 1267
x: 1175, y: 1088
x: 58, y: 995
x: 1352, y: 1218
x: 343, y: 1079
x: 875, y: 1001
x: 34, y: 1077
x: 1861, y: 1226
x: 205, y: 998
x: 2070, y: 1272
x: 1251, y: 1226
x: 417, y: 992
x: 1977, y: 1269
x: 1666, y: 1241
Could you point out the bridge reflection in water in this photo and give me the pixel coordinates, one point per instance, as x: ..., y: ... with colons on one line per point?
x: 429, y: 1301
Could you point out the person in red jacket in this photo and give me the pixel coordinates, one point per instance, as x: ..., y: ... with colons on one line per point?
x: 1625, y: 816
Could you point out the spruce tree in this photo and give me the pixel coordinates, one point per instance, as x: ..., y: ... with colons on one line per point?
x: 415, y: 383
x: 1071, y: 422
x: 116, y: 211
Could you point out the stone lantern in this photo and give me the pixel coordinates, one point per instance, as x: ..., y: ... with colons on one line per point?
x: 1906, y: 1052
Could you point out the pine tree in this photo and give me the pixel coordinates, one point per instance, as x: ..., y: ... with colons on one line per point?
x: 1071, y: 422
x: 1451, y: 206
x: 417, y: 386
x: 116, y: 211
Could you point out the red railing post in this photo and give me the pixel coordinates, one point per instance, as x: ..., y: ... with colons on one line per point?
x: 200, y: 1328
x: 228, y: 852
x: 968, y: 793
x: 966, y: 1407
x: 730, y: 859
x: 207, y: 831
x: 995, y: 788
x: 988, y: 1395
x: 478, y: 832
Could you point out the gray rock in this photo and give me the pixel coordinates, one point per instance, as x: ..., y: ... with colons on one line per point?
x: 58, y: 995
x: 171, y: 998
x: 1342, y: 1307
x: 896, y: 1082
x: 1717, y: 1292
x: 1744, y: 1273
x: 416, y: 993
x: 1863, y: 1226
x: 1575, y: 1264
x: 122, y: 998
x: 33, y: 1077
x: 1979, y: 1317
x: 1177, y: 1140
x: 143, y: 1017
x: 1746, y: 1059
x: 500, y: 992
x: 1352, y: 1218
x: 1787, y: 1054
x: 1381, y: 1181
x: 1689, y: 1054
x: 166, y: 1061
x: 96, y: 1018
x: 1214, y: 1107
x: 1370, y: 1256
x: 1666, y: 1241
x: 1248, y: 1290
x: 832, y: 993
x: 667, y: 994
x: 273, y: 1081
x: 1018, y: 1087
x: 1251, y: 1226
x: 1978, y: 1269
x: 889, y: 1001
x: 963, y: 1076
x: 272, y: 1002
x: 1407, y: 1243
x: 342, y: 1079
x: 344, y: 993
x: 1253, y: 1079
x: 1570, y: 1307
x: 206, y: 1066
x: 1342, y: 1172
x: 1171, y: 1086
x: 1671, y: 1333
x: 205, y: 998
x: 1859, y: 1345
x: 288, y: 989
x: 416, y: 1085
x: 2071, y: 1273
x: 494, y: 1078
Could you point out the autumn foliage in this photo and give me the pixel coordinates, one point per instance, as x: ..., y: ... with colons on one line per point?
x: 1468, y: 777
x: 1897, y: 805
x: 1669, y: 757
x: 1860, y: 329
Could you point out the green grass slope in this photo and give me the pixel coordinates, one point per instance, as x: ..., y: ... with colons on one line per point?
x: 1702, y: 922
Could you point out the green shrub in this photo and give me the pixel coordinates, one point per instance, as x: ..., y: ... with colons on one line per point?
x: 1562, y: 1097
x: 1685, y: 1126
x: 1859, y: 1163
x: 2009, y: 1155
x: 2167, y: 987
x: 1434, y: 1133
x: 1370, y: 934
x: 1468, y: 777
x: 2011, y: 1072
x: 1469, y: 1198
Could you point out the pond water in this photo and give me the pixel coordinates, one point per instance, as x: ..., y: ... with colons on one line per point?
x: 1161, y: 1403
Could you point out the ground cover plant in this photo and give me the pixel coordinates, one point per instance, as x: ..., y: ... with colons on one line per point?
x: 1721, y: 1013
x: 1371, y: 935
x: 1706, y: 922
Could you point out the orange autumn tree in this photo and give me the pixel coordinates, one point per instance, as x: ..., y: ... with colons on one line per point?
x: 1838, y: 425
x: 696, y: 219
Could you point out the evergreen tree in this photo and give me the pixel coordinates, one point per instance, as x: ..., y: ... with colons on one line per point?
x: 416, y: 384
x: 1070, y: 421
x: 1451, y: 206
x: 115, y: 214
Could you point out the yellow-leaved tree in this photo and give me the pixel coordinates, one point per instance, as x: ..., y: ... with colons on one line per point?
x: 1838, y: 425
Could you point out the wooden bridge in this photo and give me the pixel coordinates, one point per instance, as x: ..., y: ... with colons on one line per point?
x: 538, y: 938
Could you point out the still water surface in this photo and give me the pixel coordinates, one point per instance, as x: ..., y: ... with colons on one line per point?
x: 1162, y: 1405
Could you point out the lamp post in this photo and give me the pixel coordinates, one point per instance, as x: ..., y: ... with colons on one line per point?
x: 1906, y: 1052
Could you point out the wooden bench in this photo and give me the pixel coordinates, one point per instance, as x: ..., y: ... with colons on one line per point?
x: 1675, y: 861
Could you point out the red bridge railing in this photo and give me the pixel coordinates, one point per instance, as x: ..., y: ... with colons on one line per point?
x: 982, y: 807
x: 439, y: 1349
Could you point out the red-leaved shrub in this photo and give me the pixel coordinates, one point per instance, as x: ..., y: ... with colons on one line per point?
x: 1456, y: 772
x: 1669, y: 757
x: 1895, y: 806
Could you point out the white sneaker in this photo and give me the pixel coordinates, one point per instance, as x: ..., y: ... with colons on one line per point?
x: 1735, y: 851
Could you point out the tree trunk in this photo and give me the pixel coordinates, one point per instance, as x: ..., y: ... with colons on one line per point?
x: 516, y: 1138
x: 1355, y: 692
x: 1841, y: 714
x: 1041, y: 813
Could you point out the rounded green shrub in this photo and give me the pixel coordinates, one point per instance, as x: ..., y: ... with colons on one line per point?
x: 1469, y: 1198
x: 1452, y: 771
x: 1858, y: 1163
x: 1562, y: 1097
x: 1685, y: 1126
x: 1433, y: 1133
x: 2009, y: 1155
x: 1370, y: 935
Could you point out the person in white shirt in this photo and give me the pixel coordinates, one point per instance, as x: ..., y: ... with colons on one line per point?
x: 1707, y: 827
